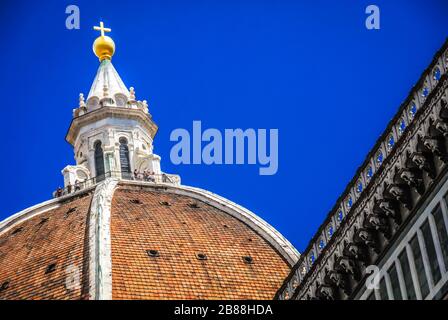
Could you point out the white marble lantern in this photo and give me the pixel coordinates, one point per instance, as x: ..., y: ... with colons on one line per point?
x: 111, y: 132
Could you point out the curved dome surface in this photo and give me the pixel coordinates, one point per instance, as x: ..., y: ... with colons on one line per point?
x: 141, y: 241
x: 237, y: 263
x: 45, y: 250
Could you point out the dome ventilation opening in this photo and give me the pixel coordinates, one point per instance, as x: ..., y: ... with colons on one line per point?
x: 71, y: 210
x: 201, y: 256
x: 135, y: 201
x: 226, y: 226
x: 165, y: 203
x: 248, y: 259
x: 16, y: 231
x: 43, y: 221
x: 152, y: 253
x: 194, y: 205
x: 4, y: 286
x: 50, y: 268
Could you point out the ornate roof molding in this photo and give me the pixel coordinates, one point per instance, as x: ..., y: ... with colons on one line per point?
x: 107, y: 112
x: 400, y: 170
x: 37, y: 209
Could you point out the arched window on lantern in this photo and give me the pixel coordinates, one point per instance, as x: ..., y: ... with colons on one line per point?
x: 125, y: 165
x: 99, y: 161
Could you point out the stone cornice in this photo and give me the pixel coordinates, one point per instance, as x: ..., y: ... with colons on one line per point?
x: 110, y: 112
x: 307, y: 277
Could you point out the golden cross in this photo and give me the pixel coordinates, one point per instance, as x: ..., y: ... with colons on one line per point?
x: 102, y: 29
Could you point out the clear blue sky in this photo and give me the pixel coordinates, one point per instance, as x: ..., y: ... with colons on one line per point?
x: 309, y: 68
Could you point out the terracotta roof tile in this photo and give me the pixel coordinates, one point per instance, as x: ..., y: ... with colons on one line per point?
x: 39, y: 254
x: 179, y: 232
x: 53, y: 237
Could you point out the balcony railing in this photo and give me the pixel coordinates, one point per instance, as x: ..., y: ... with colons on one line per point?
x: 136, y: 176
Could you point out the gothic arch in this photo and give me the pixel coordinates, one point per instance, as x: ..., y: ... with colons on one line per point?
x: 125, y: 163
x: 99, y: 160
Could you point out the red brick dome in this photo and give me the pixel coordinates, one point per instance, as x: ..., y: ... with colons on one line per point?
x: 160, y: 243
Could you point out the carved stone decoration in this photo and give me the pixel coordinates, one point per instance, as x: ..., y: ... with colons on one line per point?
x: 436, y: 147
x: 366, y: 237
x: 338, y: 280
x: 387, y: 208
x: 347, y: 265
x: 443, y: 103
x: 145, y: 106
x: 422, y: 161
x: 442, y: 127
x: 357, y: 252
x: 443, y: 113
x: 412, y: 178
x: 379, y: 224
x: 401, y: 194
x: 132, y: 94
x: 325, y: 292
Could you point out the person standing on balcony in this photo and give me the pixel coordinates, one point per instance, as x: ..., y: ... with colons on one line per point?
x: 58, y: 192
x: 77, y: 186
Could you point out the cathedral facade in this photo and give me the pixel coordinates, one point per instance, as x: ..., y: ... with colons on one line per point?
x: 386, y: 237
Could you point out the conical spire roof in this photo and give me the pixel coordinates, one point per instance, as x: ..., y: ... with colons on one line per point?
x: 108, y: 77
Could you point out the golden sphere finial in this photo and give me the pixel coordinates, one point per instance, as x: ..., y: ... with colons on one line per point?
x: 104, y: 46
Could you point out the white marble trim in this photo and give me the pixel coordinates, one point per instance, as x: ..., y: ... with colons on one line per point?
x: 37, y: 209
x: 100, y: 263
x: 269, y: 233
